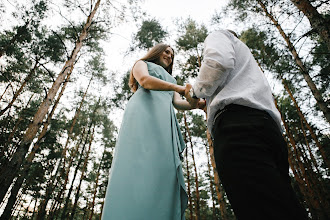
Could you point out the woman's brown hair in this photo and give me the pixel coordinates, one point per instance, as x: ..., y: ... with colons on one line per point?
x: 152, y: 56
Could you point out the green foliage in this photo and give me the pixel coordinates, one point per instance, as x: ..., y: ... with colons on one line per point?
x: 321, y: 57
x: 190, y: 68
x: 122, y: 92
x: 190, y: 39
x: 150, y: 33
x: 192, y: 35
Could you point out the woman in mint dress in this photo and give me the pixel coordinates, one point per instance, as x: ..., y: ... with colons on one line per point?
x: 146, y: 180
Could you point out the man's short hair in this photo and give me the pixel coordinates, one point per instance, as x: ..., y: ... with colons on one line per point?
x: 233, y: 32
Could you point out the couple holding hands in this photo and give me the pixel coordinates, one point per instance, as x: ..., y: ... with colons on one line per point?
x: 146, y: 180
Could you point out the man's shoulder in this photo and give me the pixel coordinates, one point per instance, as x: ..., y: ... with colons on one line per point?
x: 220, y: 33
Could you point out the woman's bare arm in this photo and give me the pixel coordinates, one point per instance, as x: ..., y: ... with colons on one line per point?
x: 182, y: 104
x: 141, y: 74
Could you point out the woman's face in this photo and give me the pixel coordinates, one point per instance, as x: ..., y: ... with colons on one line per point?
x: 166, y: 57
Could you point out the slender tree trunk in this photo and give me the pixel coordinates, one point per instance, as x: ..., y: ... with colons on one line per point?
x: 82, y: 177
x: 211, y: 182
x: 301, y: 115
x: 189, y: 187
x: 8, y: 173
x: 188, y: 178
x: 18, y: 92
x: 298, y: 173
x: 30, y: 157
x: 316, y: 188
x: 12, y: 133
x: 5, y: 91
x: 59, y: 197
x: 302, y: 175
x: 318, y: 202
x: 60, y: 164
x: 311, y: 154
x: 218, y: 186
x: 13, y: 198
x: 65, y: 215
x: 304, y: 71
x: 96, y: 185
x: 63, y: 157
x: 86, y: 209
x: 51, y: 186
x: 16, y: 205
x: 197, y: 206
x: 34, y: 208
x: 317, y: 20
x: 102, y: 205
x: 74, y: 121
x: 27, y: 209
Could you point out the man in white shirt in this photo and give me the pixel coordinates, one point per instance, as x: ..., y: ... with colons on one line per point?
x: 250, y: 152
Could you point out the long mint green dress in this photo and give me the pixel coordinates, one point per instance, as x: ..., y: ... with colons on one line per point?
x: 146, y: 180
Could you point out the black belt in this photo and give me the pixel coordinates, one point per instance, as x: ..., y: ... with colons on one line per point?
x: 238, y: 108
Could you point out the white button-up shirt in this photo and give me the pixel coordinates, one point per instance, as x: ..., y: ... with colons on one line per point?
x: 230, y: 75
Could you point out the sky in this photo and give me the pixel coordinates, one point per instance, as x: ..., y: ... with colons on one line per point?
x: 165, y: 12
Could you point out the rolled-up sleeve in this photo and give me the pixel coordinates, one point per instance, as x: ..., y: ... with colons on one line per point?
x: 219, y: 59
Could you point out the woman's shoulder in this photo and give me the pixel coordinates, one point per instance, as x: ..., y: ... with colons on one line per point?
x: 153, y: 67
x: 140, y: 63
x: 143, y: 63
x: 151, y: 64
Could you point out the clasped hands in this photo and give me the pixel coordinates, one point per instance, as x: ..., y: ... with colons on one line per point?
x: 194, y: 103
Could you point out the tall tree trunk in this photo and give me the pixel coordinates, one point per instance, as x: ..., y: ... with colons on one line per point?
x: 9, y: 84
x: 211, y: 182
x: 197, y: 206
x: 30, y: 157
x: 317, y: 21
x: 28, y: 209
x: 218, y: 186
x: 12, y: 133
x: 34, y: 208
x: 96, y: 185
x: 51, y: 186
x: 8, y: 173
x: 65, y: 215
x: 102, y: 205
x: 74, y: 121
x: 82, y: 177
x: 188, y: 180
x: 188, y: 176
x: 16, y: 205
x: 13, y: 198
x: 18, y: 92
x: 304, y: 71
x: 66, y: 172
x: 319, y: 193
x: 302, y: 175
x: 301, y: 115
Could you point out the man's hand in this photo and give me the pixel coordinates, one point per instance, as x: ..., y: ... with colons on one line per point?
x: 201, y: 104
x: 193, y: 102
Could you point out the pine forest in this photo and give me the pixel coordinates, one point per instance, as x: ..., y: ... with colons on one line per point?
x: 62, y: 100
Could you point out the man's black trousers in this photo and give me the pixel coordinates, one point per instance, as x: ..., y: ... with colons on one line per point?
x: 252, y: 161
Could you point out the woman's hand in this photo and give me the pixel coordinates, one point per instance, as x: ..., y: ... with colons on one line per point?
x: 193, y: 102
x: 201, y: 104
x: 180, y: 89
